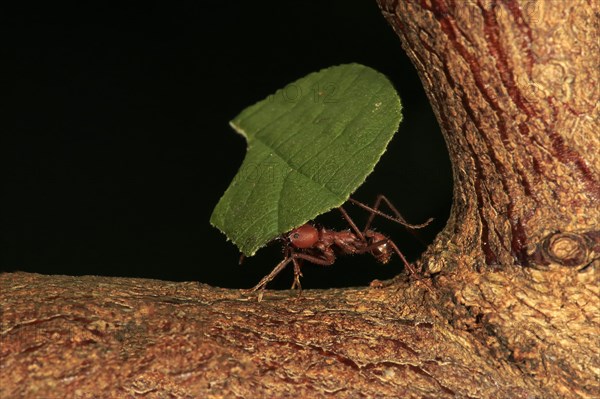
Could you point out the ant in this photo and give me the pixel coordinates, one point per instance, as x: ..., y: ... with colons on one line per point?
x: 320, y: 246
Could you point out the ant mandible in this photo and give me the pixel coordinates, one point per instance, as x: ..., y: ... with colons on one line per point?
x: 320, y: 246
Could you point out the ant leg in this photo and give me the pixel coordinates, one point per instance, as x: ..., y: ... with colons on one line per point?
x: 297, y: 274
x: 408, y: 265
x: 376, y: 244
x: 352, y: 224
x: 293, y: 257
x: 266, y: 279
x: 327, y: 260
x: 376, y: 207
x: 383, y: 198
x: 375, y: 211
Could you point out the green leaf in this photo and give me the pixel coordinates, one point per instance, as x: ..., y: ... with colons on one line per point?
x: 310, y: 145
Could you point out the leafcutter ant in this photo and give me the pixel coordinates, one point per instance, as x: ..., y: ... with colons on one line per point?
x: 321, y: 246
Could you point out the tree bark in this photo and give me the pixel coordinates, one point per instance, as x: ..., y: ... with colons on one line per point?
x: 512, y: 309
x: 514, y: 86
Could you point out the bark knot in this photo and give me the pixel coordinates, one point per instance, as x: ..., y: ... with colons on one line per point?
x: 567, y: 249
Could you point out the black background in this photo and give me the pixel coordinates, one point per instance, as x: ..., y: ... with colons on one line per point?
x: 121, y: 145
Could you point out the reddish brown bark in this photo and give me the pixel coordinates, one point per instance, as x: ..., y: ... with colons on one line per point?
x: 519, y: 115
x: 96, y: 337
x: 514, y: 311
x: 515, y: 88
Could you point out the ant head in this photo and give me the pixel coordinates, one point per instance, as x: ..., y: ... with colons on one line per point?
x: 304, y: 236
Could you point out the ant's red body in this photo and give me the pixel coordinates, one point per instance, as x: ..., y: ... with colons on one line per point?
x: 321, y: 246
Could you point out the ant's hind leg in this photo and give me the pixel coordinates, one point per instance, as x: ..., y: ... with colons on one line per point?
x: 409, y: 266
x: 375, y: 211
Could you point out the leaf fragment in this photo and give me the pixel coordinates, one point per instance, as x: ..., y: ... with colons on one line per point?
x: 310, y: 146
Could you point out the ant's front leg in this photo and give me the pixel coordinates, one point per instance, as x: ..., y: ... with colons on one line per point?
x: 408, y: 265
x: 297, y: 274
x: 353, y: 226
x: 267, y: 279
x: 327, y: 260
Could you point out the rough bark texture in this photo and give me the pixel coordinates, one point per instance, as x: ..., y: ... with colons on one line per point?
x: 514, y: 310
x: 515, y: 89
x: 95, y: 337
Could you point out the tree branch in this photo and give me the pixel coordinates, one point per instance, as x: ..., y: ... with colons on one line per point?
x: 80, y: 337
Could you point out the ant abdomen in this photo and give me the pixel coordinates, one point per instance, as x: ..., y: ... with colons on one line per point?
x: 381, y: 250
